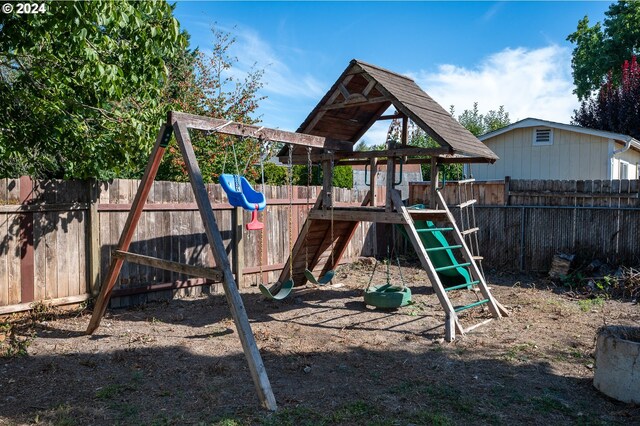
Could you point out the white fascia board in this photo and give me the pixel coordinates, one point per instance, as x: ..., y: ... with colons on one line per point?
x: 534, y: 122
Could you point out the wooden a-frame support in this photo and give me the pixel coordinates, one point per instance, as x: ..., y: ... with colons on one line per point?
x: 179, y: 124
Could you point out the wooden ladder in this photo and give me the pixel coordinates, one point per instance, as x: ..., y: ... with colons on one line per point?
x: 452, y: 322
x: 468, y: 227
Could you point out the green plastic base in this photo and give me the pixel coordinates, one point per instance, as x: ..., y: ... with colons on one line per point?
x: 387, y: 296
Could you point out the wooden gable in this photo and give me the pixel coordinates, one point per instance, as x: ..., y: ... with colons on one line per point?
x: 363, y: 93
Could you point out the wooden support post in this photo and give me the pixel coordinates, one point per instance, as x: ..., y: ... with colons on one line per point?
x: 391, y: 166
x: 238, y: 312
x: 238, y: 244
x: 373, y: 181
x: 451, y: 321
x: 130, y: 227
x: 327, y: 184
x: 94, y: 238
x: 435, y: 175
x: 405, y: 130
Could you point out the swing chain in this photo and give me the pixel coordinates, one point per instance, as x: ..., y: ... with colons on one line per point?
x: 290, y: 176
x: 331, y: 200
x: 388, y: 263
x: 216, y: 130
x: 263, y: 151
x: 260, y: 242
x: 373, y: 272
x: 394, y: 252
x: 306, y: 235
x: 235, y: 159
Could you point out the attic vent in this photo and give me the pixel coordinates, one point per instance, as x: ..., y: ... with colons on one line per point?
x: 542, y: 136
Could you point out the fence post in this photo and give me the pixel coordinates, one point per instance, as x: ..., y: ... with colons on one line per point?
x: 507, y: 180
x: 27, y: 255
x: 94, y: 238
x: 523, y: 216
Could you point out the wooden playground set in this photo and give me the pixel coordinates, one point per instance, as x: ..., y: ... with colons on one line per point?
x: 360, y: 97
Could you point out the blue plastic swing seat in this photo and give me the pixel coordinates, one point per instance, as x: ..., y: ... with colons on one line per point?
x: 241, y: 193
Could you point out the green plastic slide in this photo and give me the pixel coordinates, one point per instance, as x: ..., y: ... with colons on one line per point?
x: 437, y: 246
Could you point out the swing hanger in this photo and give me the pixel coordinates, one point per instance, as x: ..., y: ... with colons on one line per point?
x: 328, y: 276
x: 287, y: 286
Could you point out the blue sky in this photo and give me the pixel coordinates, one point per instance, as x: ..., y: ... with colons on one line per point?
x: 496, y: 53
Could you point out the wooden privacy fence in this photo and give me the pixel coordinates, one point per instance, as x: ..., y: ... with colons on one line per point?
x: 523, y: 223
x: 57, y: 238
x: 599, y: 193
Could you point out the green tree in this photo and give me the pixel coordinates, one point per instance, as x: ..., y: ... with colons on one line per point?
x: 209, y: 87
x: 479, y: 124
x: 472, y: 120
x: 80, y: 87
x: 361, y: 146
x: 615, y: 108
x: 602, y: 48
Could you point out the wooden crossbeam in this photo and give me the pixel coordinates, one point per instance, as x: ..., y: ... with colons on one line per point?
x: 347, y: 104
x: 42, y: 208
x: 197, y: 122
x: 390, y: 117
x: 359, y: 215
x: 372, y: 83
x: 409, y: 151
x: 181, y: 268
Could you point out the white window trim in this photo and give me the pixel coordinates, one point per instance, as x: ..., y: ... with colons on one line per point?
x: 622, y: 163
x: 535, y: 130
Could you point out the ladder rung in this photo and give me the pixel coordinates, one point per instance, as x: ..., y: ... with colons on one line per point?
x: 466, y: 204
x: 458, y: 287
x: 469, y: 231
x: 472, y: 305
x: 426, y: 212
x: 434, y: 229
x: 446, y: 268
x: 460, y: 182
x: 429, y: 250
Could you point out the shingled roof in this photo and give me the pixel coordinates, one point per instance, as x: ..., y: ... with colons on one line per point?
x: 363, y: 93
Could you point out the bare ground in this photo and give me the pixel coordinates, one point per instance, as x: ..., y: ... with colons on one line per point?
x: 330, y: 359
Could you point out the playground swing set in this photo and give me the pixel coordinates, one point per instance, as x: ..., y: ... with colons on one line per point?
x: 360, y: 97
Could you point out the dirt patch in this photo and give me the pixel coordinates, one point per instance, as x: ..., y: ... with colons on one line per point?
x: 330, y: 359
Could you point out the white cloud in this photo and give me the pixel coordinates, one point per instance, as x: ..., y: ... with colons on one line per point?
x: 377, y: 134
x: 528, y: 82
x: 492, y: 11
x: 278, y: 78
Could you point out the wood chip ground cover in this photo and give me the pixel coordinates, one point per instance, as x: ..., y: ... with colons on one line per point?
x: 330, y: 359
